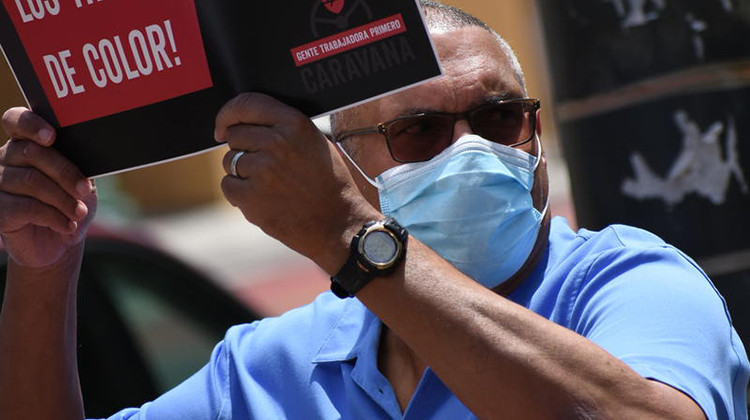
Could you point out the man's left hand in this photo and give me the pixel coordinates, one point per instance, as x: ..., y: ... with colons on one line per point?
x: 291, y: 181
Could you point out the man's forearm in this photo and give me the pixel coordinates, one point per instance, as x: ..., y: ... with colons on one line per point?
x: 38, y: 362
x: 504, y: 361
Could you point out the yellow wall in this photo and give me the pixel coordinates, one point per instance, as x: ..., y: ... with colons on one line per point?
x: 10, y: 95
x: 196, y: 180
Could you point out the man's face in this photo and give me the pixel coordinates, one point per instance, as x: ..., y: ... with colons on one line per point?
x: 476, y: 70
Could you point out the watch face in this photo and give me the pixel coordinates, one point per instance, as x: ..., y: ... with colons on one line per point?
x: 379, y: 247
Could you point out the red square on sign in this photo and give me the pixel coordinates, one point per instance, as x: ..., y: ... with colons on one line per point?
x: 111, y: 56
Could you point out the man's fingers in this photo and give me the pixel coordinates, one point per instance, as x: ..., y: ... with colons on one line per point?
x: 30, y: 182
x: 252, y: 108
x: 51, y: 163
x: 252, y: 137
x: 21, y: 123
x: 236, y: 191
x: 245, y: 163
x: 23, y: 211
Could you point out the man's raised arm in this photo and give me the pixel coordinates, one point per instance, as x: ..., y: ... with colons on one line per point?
x: 46, y: 206
x: 500, y: 359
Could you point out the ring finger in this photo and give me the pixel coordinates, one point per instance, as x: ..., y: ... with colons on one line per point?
x: 232, y: 160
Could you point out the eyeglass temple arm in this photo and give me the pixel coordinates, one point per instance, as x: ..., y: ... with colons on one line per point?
x: 369, y: 130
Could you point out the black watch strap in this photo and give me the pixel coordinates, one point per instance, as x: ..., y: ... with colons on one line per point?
x: 350, y: 279
x: 358, y: 271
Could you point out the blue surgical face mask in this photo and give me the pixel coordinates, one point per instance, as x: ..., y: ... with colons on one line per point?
x: 471, y: 204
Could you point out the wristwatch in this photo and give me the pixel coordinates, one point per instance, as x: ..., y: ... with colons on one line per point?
x: 375, y: 251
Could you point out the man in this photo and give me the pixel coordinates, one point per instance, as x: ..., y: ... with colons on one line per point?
x: 625, y: 326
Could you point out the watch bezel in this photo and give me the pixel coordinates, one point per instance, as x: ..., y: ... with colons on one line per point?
x: 380, y: 226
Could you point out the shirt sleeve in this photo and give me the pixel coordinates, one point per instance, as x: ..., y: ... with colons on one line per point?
x: 205, y: 395
x: 655, y: 310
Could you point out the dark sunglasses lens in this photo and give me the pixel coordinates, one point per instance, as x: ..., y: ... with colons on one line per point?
x: 507, y: 124
x: 419, y: 138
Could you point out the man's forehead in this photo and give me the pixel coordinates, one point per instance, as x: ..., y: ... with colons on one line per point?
x: 475, y: 67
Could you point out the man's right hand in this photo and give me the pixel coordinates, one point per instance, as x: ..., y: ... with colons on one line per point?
x: 46, y: 204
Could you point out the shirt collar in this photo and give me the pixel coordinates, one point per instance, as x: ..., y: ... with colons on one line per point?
x: 355, y: 332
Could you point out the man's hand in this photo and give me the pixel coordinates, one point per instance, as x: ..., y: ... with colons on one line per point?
x: 46, y: 204
x: 292, y: 182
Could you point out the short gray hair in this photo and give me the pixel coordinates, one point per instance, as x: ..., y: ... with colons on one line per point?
x: 439, y: 16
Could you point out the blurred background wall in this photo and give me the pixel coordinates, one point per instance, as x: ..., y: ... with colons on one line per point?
x: 652, y: 100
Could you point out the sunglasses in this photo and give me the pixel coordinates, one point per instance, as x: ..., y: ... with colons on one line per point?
x: 420, y: 137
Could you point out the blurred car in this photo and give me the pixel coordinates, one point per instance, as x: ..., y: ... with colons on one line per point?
x: 146, y: 320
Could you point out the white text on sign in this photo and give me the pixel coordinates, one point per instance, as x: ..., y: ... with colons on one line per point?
x: 116, y: 59
x: 37, y: 9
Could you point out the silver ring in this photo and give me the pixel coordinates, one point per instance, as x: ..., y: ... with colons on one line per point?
x: 233, y: 165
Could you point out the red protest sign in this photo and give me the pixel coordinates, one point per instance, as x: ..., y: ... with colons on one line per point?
x: 99, y: 58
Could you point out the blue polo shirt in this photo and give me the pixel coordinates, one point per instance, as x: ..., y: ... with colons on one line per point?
x: 640, y: 299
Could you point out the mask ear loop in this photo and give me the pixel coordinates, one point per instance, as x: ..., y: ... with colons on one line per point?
x: 539, y: 152
x: 370, y: 180
x: 536, y: 166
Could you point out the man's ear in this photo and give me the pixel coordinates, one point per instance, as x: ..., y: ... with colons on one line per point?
x: 539, y: 122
